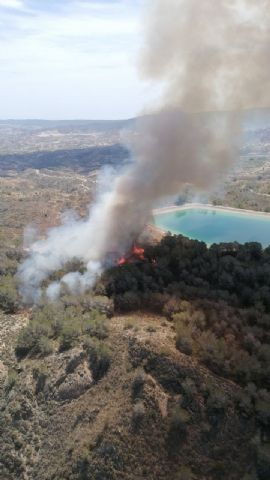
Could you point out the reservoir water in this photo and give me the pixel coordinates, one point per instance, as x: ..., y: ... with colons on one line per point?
x: 215, y: 226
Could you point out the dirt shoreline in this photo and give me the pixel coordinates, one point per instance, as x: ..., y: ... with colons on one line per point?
x: 203, y: 206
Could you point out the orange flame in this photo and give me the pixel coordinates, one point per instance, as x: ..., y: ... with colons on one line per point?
x: 121, y: 261
x: 136, y: 253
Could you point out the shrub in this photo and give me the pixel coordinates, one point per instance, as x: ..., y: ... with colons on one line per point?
x: 250, y: 343
x: 180, y: 418
x: 172, y: 306
x: 184, y: 344
x: 94, y: 323
x: 154, y: 301
x: 130, y: 323
x: 182, y: 320
x: 198, y: 319
x: 45, y: 345
x: 99, y: 358
x: 53, y: 315
x: 262, y: 408
x: 184, y: 331
x: 184, y: 473
x: 69, y: 336
x: 216, y: 404
x: 138, y: 384
x: 247, y: 368
x: 263, y: 462
x: 138, y: 414
x: 264, y: 353
x: 40, y: 374
x: 215, y: 353
x: 190, y: 392
x: 34, y: 339
x: 102, y: 304
x: 25, y: 341
x: 66, y: 324
x: 9, y: 301
x: 89, y: 302
x: 128, y: 302
x: 12, y: 378
x: 9, y: 262
x: 244, y: 403
x: 41, y: 329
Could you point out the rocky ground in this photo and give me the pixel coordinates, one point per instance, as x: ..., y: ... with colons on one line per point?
x: 60, y: 422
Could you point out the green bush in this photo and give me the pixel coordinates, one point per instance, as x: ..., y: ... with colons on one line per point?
x: 66, y: 325
x: 26, y: 341
x: 12, y: 378
x: 179, y: 420
x: 128, y: 302
x: 172, y: 306
x: 88, y: 302
x: 34, y: 339
x: 9, y: 301
x: 99, y: 358
x: 184, y: 344
x: 40, y: 375
x: 184, y: 332
x: 189, y: 391
x: 9, y: 262
x: 94, y: 323
x: 45, y: 345
x: 69, y: 335
x: 52, y: 315
x: 101, y: 303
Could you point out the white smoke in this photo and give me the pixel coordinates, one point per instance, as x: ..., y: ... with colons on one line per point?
x: 84, y: 239
x: 210, y: 55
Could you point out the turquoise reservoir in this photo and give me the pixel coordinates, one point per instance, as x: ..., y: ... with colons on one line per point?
x: 215, y: 226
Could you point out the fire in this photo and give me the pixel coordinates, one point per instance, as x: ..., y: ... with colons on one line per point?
x: 121, y: 261
x: 136, y: 253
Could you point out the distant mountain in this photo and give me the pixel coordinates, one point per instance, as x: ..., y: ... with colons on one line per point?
x: 253, y: 118
x: 86, y: 145
x: 68, y: 125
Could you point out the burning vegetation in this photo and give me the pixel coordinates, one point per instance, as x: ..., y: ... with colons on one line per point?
x: 135, y: 255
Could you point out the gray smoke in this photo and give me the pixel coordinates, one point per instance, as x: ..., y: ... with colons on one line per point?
x: 212, y: 55
x: 209, y: 55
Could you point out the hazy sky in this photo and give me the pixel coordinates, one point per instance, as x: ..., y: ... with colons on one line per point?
x: 70, y: 59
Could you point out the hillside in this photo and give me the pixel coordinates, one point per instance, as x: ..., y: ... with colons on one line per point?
x: 157, y: 374
x: 60, y: 423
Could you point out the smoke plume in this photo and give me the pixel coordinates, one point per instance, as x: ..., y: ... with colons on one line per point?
x: 209, y: 56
